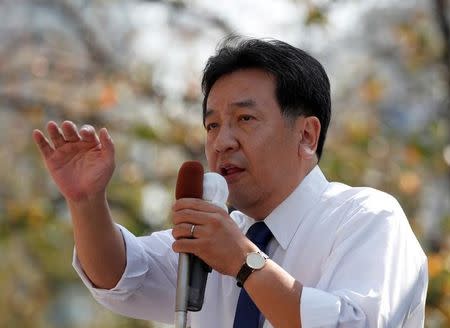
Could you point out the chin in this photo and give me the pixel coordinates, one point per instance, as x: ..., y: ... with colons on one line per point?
x: 240, y: 203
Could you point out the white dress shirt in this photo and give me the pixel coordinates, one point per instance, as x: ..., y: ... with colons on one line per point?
x: 351, y: 248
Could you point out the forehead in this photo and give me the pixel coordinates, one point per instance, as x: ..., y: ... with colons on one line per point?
x: 248, y: 85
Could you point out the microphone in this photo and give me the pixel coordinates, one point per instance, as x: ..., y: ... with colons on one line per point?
x: 192, y: 271
x: 215, y: 190
x: 189, y: 185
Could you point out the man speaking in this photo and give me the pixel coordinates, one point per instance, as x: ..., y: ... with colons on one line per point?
x: 298, y: 251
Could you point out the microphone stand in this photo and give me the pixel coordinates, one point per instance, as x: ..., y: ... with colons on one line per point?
x: 182, y: 293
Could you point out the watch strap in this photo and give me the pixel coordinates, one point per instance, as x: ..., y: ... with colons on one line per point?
x: 246, y: 270
x: 243, y: 274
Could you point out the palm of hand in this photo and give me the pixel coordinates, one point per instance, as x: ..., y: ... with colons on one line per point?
x: 81, y: 164
x: 80, y: 169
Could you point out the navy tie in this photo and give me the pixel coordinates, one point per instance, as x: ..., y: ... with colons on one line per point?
x: 247, y: 314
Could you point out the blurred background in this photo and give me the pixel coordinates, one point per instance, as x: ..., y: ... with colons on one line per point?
x: 135, y: 67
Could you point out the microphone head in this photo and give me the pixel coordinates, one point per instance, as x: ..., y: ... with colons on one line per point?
x: 215, y: 189
x: 190, y: 180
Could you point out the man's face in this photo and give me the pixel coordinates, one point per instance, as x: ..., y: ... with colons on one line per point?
x: 250, y: 142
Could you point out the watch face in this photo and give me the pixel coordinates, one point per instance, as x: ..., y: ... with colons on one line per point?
x: 255, y: 260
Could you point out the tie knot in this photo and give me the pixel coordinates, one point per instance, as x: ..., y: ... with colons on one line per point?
x: 259, y: 234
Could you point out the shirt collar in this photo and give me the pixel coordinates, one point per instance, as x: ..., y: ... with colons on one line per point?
x: 285, y: 219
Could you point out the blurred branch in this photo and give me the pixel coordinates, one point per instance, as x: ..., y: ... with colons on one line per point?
x: 441, y: 11
x: 17, y: 102
x: 198, y: 15
x: 97, y: 51
x: 55, y: 109
x: 444, y: 311
x: 444, y: 25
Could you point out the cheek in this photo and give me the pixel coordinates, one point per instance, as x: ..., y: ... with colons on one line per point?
x: 273, y: 157
x: 262, y: 161
x: 210, y: 158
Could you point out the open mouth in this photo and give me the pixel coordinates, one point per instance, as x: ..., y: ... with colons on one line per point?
x: 230, y: 170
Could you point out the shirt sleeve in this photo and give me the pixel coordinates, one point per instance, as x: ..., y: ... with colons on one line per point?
x: 375, y: 275
x: 319, y: 308
x: 147, y: 287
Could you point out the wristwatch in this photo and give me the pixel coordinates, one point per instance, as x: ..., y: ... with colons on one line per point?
x: 253, y: 261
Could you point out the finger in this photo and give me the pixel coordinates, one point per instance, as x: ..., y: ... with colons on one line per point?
x: 88, y: 134
x: 43, y: 144
x: 70, y: 132
x: 187, y: 230
x: 106, y: 140
x: 55, y: 134
x: 186, y: 245
x: 195, y: 217
x: 197, y: 204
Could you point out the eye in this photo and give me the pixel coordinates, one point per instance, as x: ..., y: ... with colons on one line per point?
x: 211, y: 126
x: 245, y: 118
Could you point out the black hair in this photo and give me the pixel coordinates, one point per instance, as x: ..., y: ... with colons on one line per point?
x: 302, y: 85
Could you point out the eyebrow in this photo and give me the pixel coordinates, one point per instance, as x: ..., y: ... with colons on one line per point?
x: 245, y: 103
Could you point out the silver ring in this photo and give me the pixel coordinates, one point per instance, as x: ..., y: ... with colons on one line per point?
x: 192, y: 230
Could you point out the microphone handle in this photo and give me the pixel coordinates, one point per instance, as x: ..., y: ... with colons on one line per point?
x: 197, y: 283
x: 182, y: 292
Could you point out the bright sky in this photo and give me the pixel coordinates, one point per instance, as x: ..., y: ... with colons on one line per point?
x: 181, y: 55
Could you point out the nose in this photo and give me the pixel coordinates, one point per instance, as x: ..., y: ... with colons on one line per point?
x: 225, y: 140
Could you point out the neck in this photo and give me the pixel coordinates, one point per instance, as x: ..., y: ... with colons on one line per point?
x: 261, y: 209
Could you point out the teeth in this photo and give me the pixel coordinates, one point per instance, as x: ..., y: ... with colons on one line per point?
x: 224, y: 169
x: 229, y: 169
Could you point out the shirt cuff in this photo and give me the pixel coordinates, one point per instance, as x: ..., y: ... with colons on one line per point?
x: 319, y: 308
x: 133, y: 276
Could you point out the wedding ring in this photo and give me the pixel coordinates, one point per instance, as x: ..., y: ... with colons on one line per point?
x: 192, y: 230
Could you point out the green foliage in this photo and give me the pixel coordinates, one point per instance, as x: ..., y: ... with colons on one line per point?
x: 59, y: 66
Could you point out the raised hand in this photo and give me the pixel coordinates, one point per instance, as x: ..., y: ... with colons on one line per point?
x: 80, y: 162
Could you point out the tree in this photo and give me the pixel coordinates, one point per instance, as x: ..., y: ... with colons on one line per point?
x: 60, y: 59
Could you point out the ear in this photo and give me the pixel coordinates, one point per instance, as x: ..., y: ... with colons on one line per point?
x: 309, y: 138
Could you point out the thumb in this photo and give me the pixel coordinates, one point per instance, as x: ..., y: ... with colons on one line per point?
x: 106, y: 141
